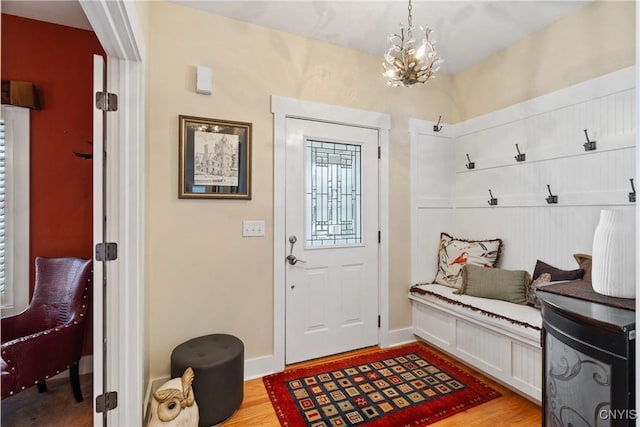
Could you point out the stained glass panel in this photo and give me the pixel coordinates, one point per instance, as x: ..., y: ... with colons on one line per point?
x: 333, y: 194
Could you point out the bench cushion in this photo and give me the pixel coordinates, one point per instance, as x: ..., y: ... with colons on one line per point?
x: 517, y: 314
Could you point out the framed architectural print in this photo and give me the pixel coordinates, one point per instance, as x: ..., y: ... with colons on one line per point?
x: 215, y: 159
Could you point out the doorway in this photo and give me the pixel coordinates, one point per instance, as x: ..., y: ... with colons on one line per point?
x: 288, y: 108
x: 332, y: 297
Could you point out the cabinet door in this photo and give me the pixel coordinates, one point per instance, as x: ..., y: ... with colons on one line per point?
x: 584, y: 385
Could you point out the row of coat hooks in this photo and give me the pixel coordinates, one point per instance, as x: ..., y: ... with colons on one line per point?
x: 552, y: 199
x: 521, y: 157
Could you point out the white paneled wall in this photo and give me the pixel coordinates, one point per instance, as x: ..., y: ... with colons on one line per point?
x: 447, y: 196
x: 550, y: 234
x: 433, y: 182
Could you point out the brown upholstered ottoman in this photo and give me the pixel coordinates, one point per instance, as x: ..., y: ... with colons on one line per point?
x: 218, y: 364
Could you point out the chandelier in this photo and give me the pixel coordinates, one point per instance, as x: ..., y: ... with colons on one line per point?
x: 405, y: 64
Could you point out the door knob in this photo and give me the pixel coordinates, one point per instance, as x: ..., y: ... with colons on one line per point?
x: 291, y: 258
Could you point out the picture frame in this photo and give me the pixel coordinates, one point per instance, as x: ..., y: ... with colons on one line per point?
x: 214, y: 159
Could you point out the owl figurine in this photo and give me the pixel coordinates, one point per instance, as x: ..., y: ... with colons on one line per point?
x: 174, y: 404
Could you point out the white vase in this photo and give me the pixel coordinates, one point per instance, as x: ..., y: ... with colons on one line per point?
x: 613, y: 264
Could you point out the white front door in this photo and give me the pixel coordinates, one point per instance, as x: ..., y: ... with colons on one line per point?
x: 332, y: 290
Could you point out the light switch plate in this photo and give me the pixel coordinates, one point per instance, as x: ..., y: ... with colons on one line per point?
x: 252, y: 228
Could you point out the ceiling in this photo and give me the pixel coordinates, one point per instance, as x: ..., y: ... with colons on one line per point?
x: 63, y: 12
x: 465, y: 31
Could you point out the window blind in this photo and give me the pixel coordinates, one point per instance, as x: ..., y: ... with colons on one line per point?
x: 2, y: 211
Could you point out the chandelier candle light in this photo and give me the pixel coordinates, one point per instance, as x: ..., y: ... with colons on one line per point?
x: 405, y: 64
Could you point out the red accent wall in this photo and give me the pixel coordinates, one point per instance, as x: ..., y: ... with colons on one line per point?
x: 59, y: 61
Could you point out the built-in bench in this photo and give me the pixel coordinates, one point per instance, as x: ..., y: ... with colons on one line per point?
x: 499, y: 338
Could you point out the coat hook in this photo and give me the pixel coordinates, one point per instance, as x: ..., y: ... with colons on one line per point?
x: 589, y: 145
x: 632, y: 195
x: 437, y: 127
x: 470, y: 165
x: 552, y: 199
x: 493, y: 201
x: 521, y: 157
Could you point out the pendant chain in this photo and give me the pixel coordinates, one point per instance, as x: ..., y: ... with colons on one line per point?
x: 410, y: 20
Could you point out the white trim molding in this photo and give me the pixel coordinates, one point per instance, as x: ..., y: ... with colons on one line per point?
x: 637, y: 217
x: 283, y: 108
x: 253, y: 368
x: 400, y: 336
x: 119, y: 31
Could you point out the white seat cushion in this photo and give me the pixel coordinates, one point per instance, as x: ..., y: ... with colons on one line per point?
x: 524, y: 315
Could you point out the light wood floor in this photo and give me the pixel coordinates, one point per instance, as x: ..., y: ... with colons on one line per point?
x: 57, y: 407
x: 508, y: 410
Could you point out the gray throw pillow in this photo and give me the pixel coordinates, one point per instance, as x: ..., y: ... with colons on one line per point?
x: 496, y: 283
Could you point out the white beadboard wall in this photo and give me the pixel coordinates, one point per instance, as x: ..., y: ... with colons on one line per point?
x: 550, y: 131
x: 432, y: 184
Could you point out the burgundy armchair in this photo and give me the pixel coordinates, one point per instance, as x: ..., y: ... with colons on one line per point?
x: 46, y: 338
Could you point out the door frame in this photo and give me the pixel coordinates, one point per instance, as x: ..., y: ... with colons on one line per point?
x: 283, y: 108
x: 117, y: 27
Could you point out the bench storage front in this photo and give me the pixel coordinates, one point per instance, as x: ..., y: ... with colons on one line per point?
x: 499, y: 338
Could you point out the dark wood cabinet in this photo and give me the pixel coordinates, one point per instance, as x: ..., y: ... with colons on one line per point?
x: 588, y: 363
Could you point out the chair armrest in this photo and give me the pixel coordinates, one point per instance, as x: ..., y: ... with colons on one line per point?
x: 16, y: 326
x: 43, y: 354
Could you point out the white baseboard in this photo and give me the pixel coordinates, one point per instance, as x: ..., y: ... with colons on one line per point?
x: 85, y: 367
x: 253, y: 368
x: 397, y: 337
x: 151, y: 388
x: 259, y: 367
x: 265, y: 365
x: 86, y: 364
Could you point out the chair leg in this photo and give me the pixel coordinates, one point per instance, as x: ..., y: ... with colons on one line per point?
x: 74, y: 376
x: 42, y: 386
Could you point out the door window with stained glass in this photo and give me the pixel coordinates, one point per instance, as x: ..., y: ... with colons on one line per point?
x: 333, y: 194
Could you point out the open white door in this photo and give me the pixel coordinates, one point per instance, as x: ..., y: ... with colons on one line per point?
x: 116, y: 24
x: 98, y: 237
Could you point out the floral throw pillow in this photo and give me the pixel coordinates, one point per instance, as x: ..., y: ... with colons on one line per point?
x: 454, y: 253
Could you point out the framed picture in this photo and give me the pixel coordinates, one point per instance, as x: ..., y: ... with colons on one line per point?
x: 215, y: 159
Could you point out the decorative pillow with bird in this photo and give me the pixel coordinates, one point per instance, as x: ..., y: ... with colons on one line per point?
x: 454, y: 253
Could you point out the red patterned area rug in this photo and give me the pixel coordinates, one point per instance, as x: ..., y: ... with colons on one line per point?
x: 402, y: 386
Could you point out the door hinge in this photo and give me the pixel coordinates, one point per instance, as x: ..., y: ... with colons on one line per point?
x: 632, y: 335
x: 379, y: 152
x: 379, y: 321
x: 106, y: 251
x: 107, y: 402
x: 106, y: 101
x: 379, y: 236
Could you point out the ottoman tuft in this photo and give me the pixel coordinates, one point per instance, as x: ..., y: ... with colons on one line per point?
x: 218, y: 364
